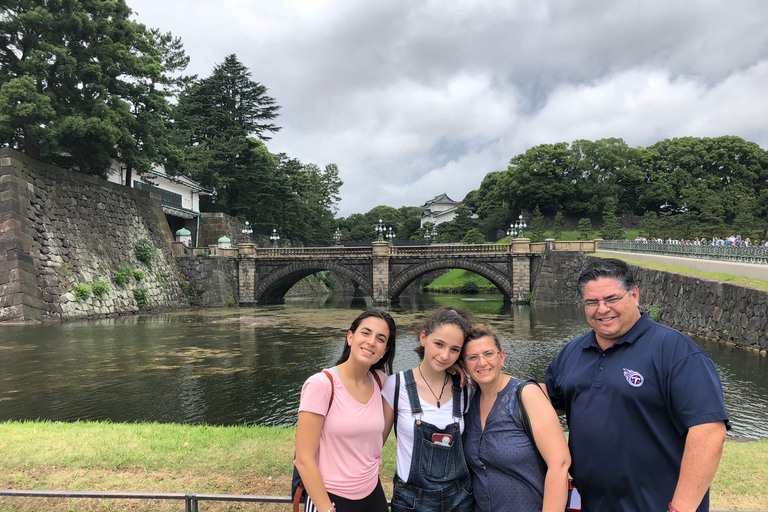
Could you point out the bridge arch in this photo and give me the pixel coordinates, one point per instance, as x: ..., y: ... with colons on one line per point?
x: 501, y: 281
x: 273, y: 287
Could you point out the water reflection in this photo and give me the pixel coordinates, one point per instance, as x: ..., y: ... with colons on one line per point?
x: 234, y: 366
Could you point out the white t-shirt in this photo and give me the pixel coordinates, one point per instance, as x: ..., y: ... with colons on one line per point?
x: 440, y: 418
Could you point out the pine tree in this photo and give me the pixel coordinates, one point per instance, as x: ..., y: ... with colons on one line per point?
x: 585, y: 228
x: 611, y: 229
x: 218, y: 122
x: 537, y: 226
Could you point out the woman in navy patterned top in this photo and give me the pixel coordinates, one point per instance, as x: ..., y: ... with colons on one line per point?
x: 505, y: 466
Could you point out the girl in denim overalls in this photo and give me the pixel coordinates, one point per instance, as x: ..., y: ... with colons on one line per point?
x: 432, y: 475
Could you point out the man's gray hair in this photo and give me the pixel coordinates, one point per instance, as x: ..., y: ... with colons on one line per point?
x: 608, y: 267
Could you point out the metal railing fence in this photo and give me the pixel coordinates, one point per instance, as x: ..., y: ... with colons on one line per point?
x: 752, y: 254
x: 190, y: 499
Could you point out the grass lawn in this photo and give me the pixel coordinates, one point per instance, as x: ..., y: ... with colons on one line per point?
x: 151, y: 457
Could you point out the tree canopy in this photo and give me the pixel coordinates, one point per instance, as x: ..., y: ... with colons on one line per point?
x: 82, y: 85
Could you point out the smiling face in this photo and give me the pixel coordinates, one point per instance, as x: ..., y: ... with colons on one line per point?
x: 442, y: 347
x: 486, y: 370
x: 368, y: 343
x: 610, y: 321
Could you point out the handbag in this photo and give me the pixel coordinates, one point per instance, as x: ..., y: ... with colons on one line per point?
x: 574, y: 498
x: 298, y: 491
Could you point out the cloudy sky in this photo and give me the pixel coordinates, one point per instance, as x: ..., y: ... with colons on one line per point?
x: 415, y: 98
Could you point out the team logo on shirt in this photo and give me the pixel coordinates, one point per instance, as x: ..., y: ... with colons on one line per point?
x: 635, y: 379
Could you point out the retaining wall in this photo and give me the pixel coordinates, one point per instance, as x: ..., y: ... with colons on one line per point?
x: 59, y: 229
x: 721, y: 311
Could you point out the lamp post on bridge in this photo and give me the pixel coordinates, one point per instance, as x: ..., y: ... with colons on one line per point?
x: 520, y: 225
x: 390, y: 235
x: 274, y: 237
x: 434, y: 235
x: 247, y: 231
x: 427, y: 236
x: 337, y: 236
x: 511, y: 232
x: 380, y: 230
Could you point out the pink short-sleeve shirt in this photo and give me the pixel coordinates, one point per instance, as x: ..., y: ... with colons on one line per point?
x: 349, y: 455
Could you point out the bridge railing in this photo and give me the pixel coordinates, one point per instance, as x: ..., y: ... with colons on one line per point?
x: 752, y: 254
x: 450, y: 249
x: 336, y: 252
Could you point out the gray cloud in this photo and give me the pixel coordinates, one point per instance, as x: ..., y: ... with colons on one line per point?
x: 412, y: 99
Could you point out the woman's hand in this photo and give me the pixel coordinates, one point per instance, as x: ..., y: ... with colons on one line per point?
x: 458, y: 369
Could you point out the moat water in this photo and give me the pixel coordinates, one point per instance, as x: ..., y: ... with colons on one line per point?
x: 236, y: 366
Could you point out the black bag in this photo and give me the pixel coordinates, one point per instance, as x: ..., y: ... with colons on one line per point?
x: 298, y: 491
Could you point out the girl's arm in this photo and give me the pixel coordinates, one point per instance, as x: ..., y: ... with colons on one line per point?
x: 307, y: 443
x: 389, y: 419
x: 551, y: 444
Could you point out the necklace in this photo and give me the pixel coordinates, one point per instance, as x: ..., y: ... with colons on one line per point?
x: 442, y: 390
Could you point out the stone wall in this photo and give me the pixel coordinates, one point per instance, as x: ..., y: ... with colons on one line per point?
x: 720, y: 311
x: 213, y: 281
x: 60, y: 229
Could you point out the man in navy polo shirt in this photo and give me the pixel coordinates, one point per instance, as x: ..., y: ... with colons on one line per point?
x: 643, y: 403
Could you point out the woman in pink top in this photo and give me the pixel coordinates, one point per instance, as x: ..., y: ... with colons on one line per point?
x: 338, y: 448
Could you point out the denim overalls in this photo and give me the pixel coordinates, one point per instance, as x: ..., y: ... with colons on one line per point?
x: 438, y: 480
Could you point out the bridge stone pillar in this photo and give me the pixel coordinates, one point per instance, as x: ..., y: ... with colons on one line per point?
x: 246, y: 282
x: 380, y: 277
x: 521, y: 268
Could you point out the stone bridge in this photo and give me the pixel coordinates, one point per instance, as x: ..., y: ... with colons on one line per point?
x: 384, y: 271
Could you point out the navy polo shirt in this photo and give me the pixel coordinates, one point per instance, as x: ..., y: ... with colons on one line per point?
x: 629, y: 409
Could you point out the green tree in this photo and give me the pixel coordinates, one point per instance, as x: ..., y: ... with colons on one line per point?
x: 537, y: 227
x: 585, y: 228
x: 473, y: 236
x: 82, y: 85
x: 309, y: 215
x: 218, y: 121
x: 611, y: 229
x: 410, y: 220
x: 458, y: 227
x: 557, y: 226
x: 542, y: 176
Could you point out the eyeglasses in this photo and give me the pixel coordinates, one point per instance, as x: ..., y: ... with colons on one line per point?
x: 489, y: 356
x: 610, y: 301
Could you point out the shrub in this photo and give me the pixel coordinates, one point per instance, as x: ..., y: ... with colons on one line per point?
x: 140, y: 294
x: 655, y: 313
x: 123, y: 273
x: 82, y: 292
x: 138, y: 275
x: 470, y: 287
x: 159, y: 278
x: 186, y: 287
x: 144, y: 250
x: 230, y: 301
x: 100, y: 288
x: 473, y: 236
x: 425, y: 282
x: 327, y: 279
x: 202, y: 254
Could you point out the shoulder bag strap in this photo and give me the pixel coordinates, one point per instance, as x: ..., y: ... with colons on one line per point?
x: 397, y: 398
x: 330, y: 378
x: 527, y: 422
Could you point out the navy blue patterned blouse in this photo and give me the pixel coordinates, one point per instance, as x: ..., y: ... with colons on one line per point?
x: 506, y: 474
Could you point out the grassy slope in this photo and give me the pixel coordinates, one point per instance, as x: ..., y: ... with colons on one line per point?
x: 146, y: 457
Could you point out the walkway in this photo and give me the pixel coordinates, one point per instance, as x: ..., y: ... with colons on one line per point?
x: 748, y: 270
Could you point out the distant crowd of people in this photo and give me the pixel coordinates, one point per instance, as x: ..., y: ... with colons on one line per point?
x: 731, y: 241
